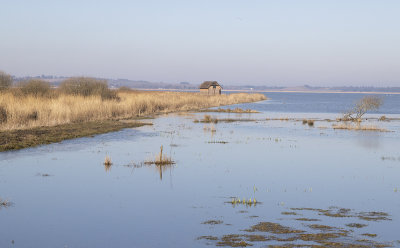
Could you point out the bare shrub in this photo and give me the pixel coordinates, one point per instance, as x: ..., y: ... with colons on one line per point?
x: 5, y: 81
x: 364, y: 105
x: 85, y: 86
x: 383, y: 118
x: 34, y: 87
x: 124, y: 89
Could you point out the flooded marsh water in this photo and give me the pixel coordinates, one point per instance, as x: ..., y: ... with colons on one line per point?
x: 313, y: 185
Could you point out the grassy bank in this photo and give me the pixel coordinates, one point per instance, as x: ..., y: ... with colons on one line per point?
x: 24, y: 112
x: 32, y: 119
x: 23, y: 138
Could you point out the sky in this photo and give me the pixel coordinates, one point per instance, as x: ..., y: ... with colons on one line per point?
x: 259, y: 42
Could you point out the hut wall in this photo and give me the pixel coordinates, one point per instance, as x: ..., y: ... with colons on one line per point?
x: 214, y: 91
x: 204, y: 91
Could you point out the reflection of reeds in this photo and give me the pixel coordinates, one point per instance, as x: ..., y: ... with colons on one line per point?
x: 107, y: 163
x: 211, y: 129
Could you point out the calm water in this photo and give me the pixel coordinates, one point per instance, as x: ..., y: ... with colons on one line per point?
x: 283, y: 164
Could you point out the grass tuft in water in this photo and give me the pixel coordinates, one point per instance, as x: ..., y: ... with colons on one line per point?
x: 5, y: 203
x: 161, y: 159
x: 246, y: 202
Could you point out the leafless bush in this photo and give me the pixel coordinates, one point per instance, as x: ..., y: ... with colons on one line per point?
x: 85, y: 86
x: 34, y: 87
x: 124, y: 89
x: 364, y: 105
x: 5, y: 81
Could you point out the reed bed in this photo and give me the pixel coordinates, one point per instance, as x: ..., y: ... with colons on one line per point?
x: 359, y: 127
x: 29, y: 111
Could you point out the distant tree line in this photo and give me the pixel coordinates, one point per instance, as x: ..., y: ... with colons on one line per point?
x: 84, y: 86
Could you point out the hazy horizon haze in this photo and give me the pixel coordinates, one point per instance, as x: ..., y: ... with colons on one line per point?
x: 290, y: 43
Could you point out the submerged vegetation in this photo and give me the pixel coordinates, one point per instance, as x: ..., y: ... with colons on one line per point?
x: 272, y: 234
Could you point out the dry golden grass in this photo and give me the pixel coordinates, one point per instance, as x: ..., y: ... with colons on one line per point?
x: 359, y: 127
x: 31, y: 111
x: 161, y: 159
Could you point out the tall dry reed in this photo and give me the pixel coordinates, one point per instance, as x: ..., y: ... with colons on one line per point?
x: 32, y: 111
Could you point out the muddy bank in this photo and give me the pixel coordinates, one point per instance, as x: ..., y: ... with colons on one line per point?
x: 19, y: 139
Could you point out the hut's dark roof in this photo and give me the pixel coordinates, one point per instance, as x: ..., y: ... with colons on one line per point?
x: 207, y: 84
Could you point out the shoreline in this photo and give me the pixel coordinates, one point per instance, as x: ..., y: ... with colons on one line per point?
x: 283, y: 91
x: 17, y: 139
x: 26, y: 138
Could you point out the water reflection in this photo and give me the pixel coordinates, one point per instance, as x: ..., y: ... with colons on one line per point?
x: 369, y: 140
x: 161, y: 169
x: 107, y: 167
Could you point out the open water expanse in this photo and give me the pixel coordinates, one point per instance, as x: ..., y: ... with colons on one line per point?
x: 313, y: 185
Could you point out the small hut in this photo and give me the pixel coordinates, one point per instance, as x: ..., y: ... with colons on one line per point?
x: 210, y: 88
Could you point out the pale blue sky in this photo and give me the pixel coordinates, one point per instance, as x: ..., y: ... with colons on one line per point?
x: 271, y: 42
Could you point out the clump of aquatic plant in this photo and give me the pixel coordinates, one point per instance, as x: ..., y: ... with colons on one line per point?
x: 212, y: 222
x: 218, y: 142
x: 209, y: 119
x: 107, y: 163
x: 383, y: 118
x: 309, y: 122
x: 246, y: 202
x: 161, y: 159
x: 356, y: 225
x: 4, y: 203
